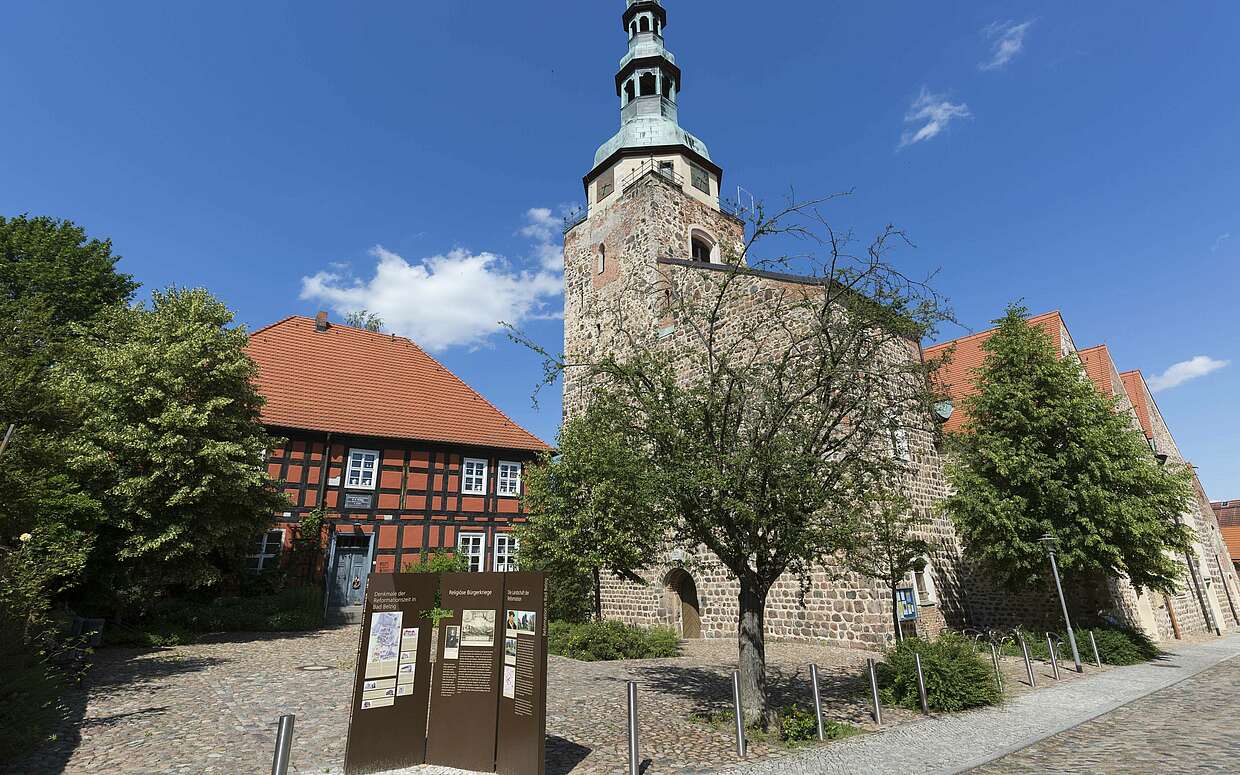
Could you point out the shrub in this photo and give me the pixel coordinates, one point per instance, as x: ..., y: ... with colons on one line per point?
x: 957, y: 678
x: 30, y: 700
x: 436, y: 562
x: 604, y: 641
x: 1118, y: 646
x: 797, y: 725
x: 175, y: 622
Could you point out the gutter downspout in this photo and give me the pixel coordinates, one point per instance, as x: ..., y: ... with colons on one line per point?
x: 324, y: 467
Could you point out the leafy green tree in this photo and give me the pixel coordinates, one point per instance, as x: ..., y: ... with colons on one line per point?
x: 171, y: 439
x: 364, y: 319
x: 594, y: 507
x: 1044, y: 452
x: 767, y: 407
x: 55, y: 285
x: 886, y: 546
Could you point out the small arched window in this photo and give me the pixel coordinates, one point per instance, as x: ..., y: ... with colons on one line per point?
x: 601, y: 262
x: 630, y: 90
x: 667, y: 87
x: 701, y: 250
x: 648, y: 87
x: 645, y: 24
x: 633, y: 28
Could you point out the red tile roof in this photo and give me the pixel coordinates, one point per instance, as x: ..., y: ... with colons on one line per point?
x: 1228, y: 515
x: 348, y: 380
x: 958, y: 378
x: 1100, y: 368
x: 1134, y: 384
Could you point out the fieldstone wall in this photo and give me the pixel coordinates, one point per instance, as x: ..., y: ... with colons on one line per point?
x: 622, y: 264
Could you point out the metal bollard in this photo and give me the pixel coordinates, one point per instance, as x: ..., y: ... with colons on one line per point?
x: 1050, y: 647
x: 1094, y: 644
x: 878, y: 708
x: 284, y: 746
x: 634, y: 756
x: 994, y: 657
x: 740, y: 716
x: 921, y: 685
x: 813, y: 677
x: 1024, y: 648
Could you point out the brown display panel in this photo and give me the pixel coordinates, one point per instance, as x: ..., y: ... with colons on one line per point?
x: 465, y: 686
x: 391, y: 684
x: 522, y: 730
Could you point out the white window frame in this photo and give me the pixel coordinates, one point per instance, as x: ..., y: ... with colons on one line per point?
x: 357, y: 466
x: 481, y: 489
x: 505, y: 550
x: 474, y: 561
x: 927, y: 575
x: 266, y: 558
x: 508, y: 486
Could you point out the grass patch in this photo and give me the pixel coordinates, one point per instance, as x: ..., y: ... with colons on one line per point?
x: 793, y: 727
x: 605, y: 641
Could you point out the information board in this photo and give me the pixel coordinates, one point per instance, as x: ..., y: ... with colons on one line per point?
x: 466, y: 681
x: 520, y: 747
x: 387, y: 723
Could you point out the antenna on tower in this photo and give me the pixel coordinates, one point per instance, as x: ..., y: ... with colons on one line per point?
x: 740, y: 206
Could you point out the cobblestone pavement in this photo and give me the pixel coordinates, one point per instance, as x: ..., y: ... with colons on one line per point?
x: 946, y: 745
x: 1186, y: 728
x: 212, y: 707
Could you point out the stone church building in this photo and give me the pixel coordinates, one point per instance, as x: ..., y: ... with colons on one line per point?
x: 654, y: 219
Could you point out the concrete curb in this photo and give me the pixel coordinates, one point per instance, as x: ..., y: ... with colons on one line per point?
x: 946, y: 745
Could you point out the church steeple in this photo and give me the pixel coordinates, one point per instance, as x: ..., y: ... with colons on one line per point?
x: 648, y: 85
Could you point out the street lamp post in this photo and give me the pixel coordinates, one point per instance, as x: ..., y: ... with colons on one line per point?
x: 1048, y: 541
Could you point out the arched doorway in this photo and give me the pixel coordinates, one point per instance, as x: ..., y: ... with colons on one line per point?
x: 682, y: 596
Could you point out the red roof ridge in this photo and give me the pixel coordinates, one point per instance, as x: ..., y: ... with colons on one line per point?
x: 277, y: 323
x: 969, y: 337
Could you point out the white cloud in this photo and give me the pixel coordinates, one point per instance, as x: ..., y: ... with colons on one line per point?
x: 1008, y: 39
x: 454, y: 299
x: 933, y: 112
x: 1179, y: 373
x: 1218, y: 242
x: 546, y: 229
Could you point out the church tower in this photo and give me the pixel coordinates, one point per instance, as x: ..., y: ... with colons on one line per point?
x: 653, y: 202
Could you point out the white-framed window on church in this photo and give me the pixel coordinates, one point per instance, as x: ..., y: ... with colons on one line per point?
x: 923, y: 584
x: 506, y: 548
x: 473, y: 549
x: 702, y: 247
x: 700, y: 178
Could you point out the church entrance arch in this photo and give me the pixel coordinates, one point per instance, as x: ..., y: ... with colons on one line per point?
x: 680, y: 594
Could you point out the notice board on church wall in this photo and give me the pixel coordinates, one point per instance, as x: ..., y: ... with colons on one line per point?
x: 520, y: 747
x: 392, y: 680
x: 466, y: 681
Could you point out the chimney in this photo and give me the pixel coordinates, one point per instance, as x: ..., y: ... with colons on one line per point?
x: 320, y: 321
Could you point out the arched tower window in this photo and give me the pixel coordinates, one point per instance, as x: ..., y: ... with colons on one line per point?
x: 648, y: 85
x: 633, y: 29
x: 630, y: 90
x: 645, y: 21
x: 601, y: 262
x: 703, y: 247
x: 667, y: 86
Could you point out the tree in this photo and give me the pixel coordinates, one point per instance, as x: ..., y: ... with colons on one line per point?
x: 171, y: 439
x: 765, y: 404
x: 593, y: 506
x: 886, y: 547
x: 1044, y: 452
x: 55, y: 285
x: 364, y: 319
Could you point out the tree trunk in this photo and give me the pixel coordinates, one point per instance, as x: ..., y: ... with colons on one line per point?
x: 895, y: 614
x: 751, y: 639
x: 598, y: 595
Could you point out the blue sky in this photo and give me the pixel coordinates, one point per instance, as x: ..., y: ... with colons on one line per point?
x: 413, y: 157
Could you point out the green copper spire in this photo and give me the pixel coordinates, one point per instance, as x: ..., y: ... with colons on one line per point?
x: 648, y: 83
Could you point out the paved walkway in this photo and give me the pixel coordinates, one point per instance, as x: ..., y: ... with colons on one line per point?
x: 1182, y: 729
x: 1186, y: 728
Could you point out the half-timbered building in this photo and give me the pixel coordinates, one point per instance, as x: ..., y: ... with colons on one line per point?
x: 401, y: 456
